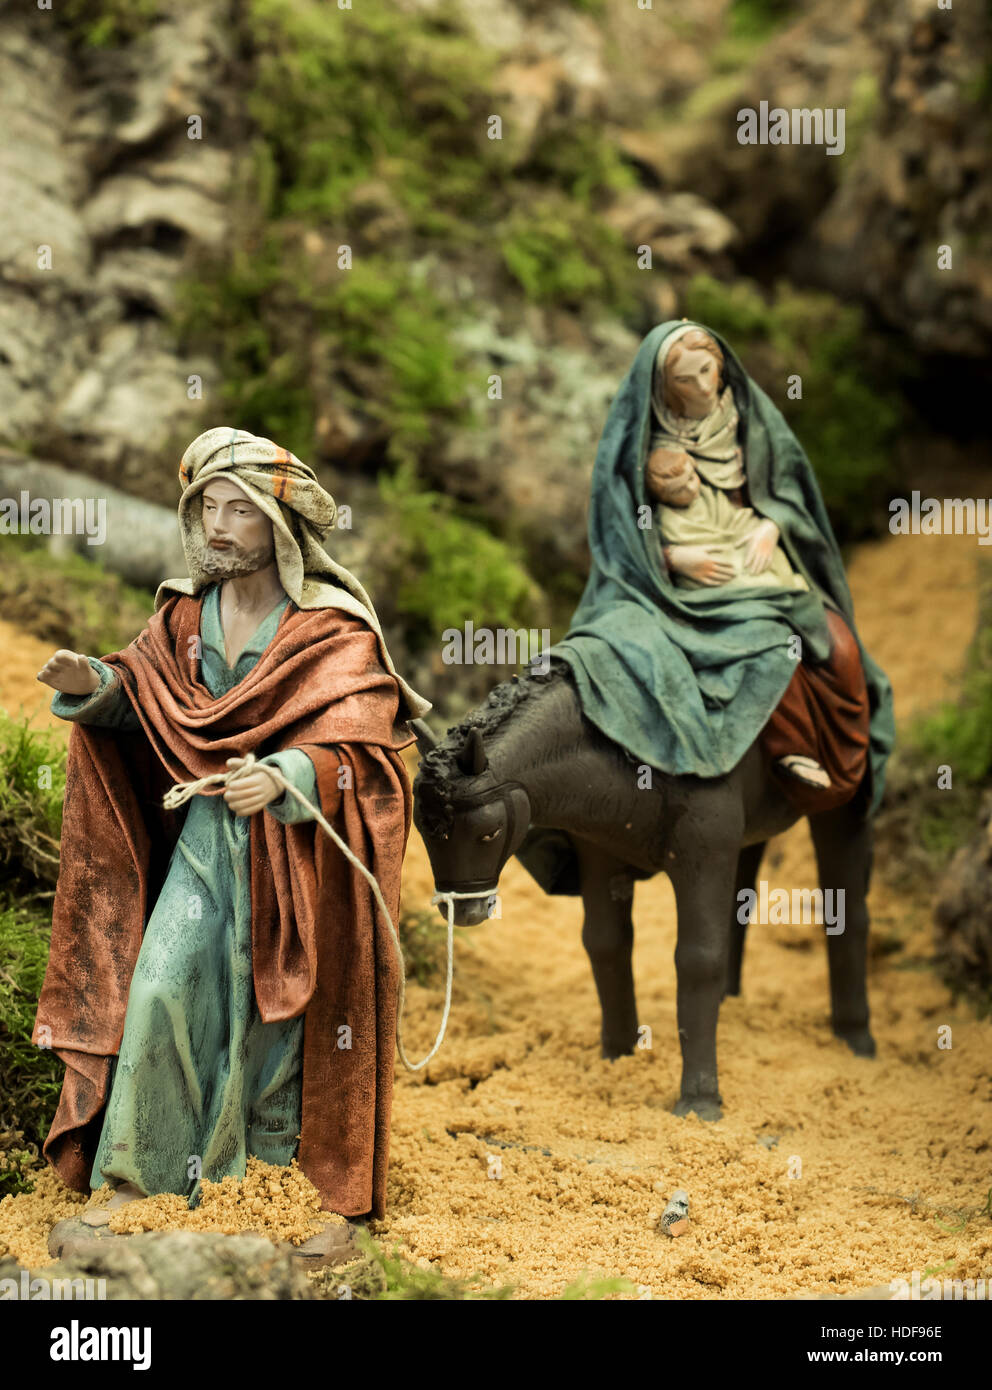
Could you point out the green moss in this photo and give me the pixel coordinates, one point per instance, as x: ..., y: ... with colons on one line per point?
x: 441, y: 569
x: 380, y: 1276
x: 261, y: 315
x: 341, y: 96
x: 68, y: 600
x: 381, y: 314
x: 862, y: 109
x: 30, y: 1076
x: 760, y: 18
x: 923, y: 823
x: 848, y: 416
x: 556, y: 256
x: 378, y: 114
x: 585, y: 1288
x: 424, y: 938
x: 32, y: 782
x: 390, y: 1278
x: 105, y: 23
x: 959, y: 733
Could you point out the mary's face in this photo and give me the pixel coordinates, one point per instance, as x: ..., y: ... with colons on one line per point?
x: 694, y: 378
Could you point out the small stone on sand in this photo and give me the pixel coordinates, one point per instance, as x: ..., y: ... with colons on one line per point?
x: 675, y: 1217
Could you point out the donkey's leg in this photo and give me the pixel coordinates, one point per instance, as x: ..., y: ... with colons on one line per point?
x: 608, y: 936
x: 843, y: 844
x: 703, y: 873
x: 748, y: 864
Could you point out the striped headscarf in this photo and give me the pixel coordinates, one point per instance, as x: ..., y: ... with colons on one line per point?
x: 301, y: 512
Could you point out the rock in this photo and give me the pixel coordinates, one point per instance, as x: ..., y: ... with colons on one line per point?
x: 675, y: 1217
x: 107, y: 180
x: 75, y: 1237
x: 683, y: 231
x: 334, y: 1245
x: 141, y: 543
x: 185, y: 1265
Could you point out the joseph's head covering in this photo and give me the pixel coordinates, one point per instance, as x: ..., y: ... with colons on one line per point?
x: 301, y: 512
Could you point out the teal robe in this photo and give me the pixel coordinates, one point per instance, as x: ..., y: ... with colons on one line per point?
x: 200, y: 1082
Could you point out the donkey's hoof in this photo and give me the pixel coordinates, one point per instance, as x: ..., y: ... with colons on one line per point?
x: 706, y: 1107
x: 859, y: 1040
x: 610, y: 1051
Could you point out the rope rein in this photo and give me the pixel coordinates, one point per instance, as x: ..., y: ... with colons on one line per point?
x: 181, y: 793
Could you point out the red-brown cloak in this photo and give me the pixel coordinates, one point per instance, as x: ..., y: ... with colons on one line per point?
x: 320, y: 946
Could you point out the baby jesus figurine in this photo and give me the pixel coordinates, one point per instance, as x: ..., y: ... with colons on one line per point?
x: 743, y: 547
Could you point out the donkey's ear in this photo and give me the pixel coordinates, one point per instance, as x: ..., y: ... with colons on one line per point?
x: 472, y: 759
x: 426, y: 738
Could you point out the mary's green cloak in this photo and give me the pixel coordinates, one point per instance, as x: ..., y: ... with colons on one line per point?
x: 685, y: 679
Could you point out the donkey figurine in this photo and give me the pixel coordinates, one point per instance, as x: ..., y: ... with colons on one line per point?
x: 527, y: 765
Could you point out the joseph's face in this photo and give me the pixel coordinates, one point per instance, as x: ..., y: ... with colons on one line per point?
x: 695, y: 376
x: 238, y: 534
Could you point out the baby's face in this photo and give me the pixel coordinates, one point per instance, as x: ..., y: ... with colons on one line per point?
x: 682, y: 490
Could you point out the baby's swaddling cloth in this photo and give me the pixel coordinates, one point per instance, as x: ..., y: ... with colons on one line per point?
x: 712, y: 519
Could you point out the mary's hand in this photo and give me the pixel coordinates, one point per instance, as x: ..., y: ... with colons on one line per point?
x: 761, y: 547
x: 706, y: 564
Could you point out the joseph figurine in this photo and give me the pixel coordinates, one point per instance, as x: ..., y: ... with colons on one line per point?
x: 221, y: 982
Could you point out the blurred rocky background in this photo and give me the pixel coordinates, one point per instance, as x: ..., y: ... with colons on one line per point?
x: 293, y: 219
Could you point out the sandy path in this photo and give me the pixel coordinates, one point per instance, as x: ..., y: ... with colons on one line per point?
x: 20, y: 692
x: 589, y: 1151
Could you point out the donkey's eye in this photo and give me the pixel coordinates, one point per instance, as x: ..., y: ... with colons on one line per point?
x: 491, y: 836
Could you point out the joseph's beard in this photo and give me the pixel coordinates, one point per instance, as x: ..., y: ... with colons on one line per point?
x: 234, y: 560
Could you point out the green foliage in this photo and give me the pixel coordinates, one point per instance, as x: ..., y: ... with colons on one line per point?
x: 424, y: 938
x: 579, y: 162
x: 370, y: 126
x: 922, y: 824
x: 68, y: 600
x: 381, y: 314
x: 341, y: 96
x: 240, y: 310
x: 959, y: 733
x: 391, y: 1278
x: 586, y: 1288
x: 557, y: 256
x: 260, y: 313
x: 862, y: 107
x: 379, y: 1276
x: 32, y: 784
x: 105, y: 23
x: 847, y: 418
x: 441, y: 569
x: 758, y: 19
x: 30, y: 1076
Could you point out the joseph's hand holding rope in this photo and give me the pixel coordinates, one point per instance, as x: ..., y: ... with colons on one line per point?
x: 243, y: 769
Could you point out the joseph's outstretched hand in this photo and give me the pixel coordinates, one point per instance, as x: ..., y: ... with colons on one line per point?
x: 252, y: 792
x: 70, y: 673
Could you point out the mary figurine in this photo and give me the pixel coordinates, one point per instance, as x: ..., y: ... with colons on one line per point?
x: 686, y: 676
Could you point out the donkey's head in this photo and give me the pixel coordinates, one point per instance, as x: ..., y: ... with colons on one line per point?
x: 470, y: 819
